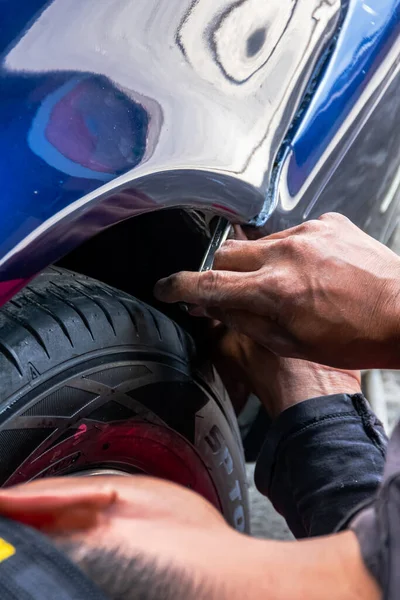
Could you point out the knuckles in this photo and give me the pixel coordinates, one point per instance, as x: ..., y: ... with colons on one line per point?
x: 229, y: 246
x: 297, y: 248
x: 207, y: 284
x: 224, y: 252
x: 334, y: 218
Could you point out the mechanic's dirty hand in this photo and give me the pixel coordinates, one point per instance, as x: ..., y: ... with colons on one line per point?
x: 277, y: 382
x: 323, y: 291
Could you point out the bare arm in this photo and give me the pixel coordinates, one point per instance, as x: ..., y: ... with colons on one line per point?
x: 327, y: 568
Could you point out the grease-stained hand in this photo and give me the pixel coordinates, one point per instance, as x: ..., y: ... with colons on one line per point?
x: 323, y: 291
x: 244, y: 366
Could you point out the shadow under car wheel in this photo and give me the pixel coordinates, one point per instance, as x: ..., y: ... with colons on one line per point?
x: 93, y: 380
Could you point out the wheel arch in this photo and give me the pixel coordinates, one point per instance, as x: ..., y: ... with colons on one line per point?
x: 118, y: 202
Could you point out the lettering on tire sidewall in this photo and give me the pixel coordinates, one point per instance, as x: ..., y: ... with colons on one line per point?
x: 225, y: 464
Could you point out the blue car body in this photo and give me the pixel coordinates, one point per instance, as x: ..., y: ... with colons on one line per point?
x: 267, y: 112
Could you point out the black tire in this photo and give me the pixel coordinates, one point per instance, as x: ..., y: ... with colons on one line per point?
x: 91, y: 378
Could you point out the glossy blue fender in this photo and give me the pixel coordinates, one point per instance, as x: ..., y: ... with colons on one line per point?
x: 270, y: 112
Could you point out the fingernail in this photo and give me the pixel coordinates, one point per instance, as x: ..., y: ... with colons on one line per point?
x: 160, y: 289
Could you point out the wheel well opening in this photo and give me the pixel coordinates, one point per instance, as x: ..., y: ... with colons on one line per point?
x: 134, y: 254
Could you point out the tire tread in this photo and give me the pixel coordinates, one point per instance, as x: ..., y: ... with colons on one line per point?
x: 26, y: 325
x: 73, y: 306
x: 89, y: 315
x: 11, y: 357
x: 50, y: 312
x: 97, y: 303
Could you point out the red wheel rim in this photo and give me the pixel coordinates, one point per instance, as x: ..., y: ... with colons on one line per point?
x: 128, y: 446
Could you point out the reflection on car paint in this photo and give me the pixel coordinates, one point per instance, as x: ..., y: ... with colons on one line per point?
x: 362, y: 66
x: 69, y: 131
x: 214, y: 86
x: 256, y: 110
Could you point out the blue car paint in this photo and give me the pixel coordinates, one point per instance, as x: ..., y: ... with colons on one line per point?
x: 41, y: 216
x: 368, y: 33
x: 37, y: 179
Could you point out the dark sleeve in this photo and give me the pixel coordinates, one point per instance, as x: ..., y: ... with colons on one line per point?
x: 321, y: 459
x: 377, y: 526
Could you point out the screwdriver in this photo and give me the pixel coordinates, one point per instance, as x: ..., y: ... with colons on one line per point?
x: 220, y: 235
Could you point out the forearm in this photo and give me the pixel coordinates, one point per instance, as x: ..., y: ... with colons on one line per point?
x: 321, y: 459
x: 326, y: 568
